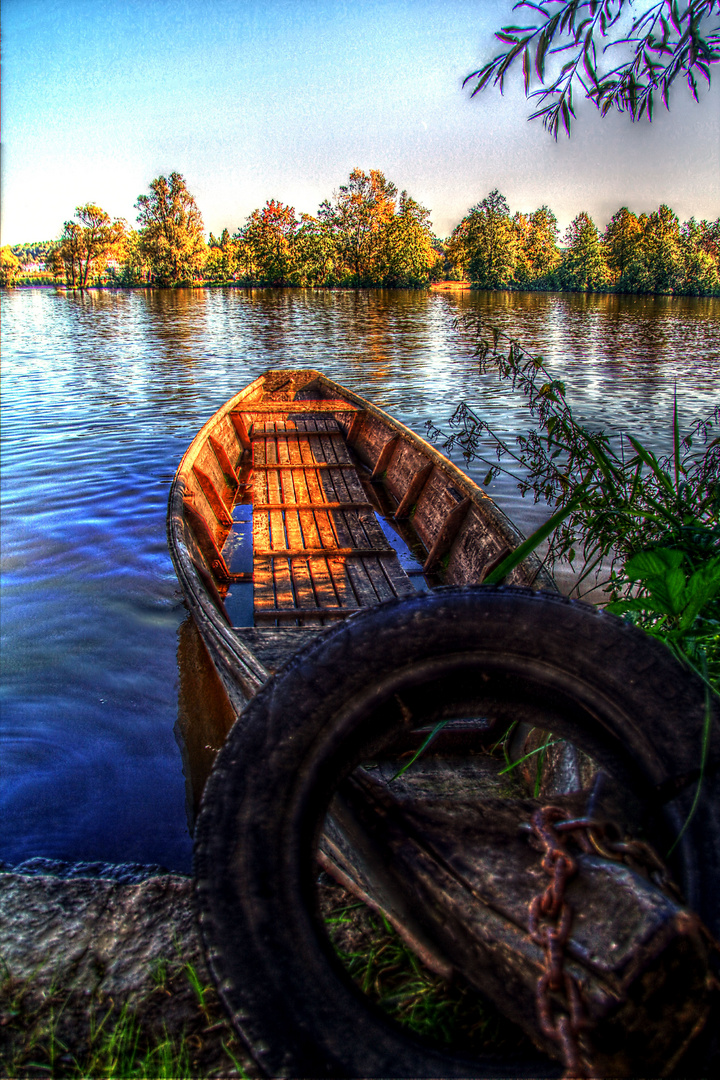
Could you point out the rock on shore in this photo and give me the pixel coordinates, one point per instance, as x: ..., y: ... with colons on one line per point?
x: 79, y: 941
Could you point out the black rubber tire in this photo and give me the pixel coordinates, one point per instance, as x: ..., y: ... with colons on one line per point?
x: 574, y: 669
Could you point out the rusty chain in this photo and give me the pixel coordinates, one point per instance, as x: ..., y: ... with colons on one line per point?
x: 549, y: 922
x: 550, y: 918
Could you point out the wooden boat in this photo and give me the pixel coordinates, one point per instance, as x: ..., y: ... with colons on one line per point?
x: 300, y: 502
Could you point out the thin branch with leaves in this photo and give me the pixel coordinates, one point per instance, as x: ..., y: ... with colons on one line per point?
x: 667, y: 41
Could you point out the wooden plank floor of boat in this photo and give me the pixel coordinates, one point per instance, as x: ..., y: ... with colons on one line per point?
x: 318, y: 550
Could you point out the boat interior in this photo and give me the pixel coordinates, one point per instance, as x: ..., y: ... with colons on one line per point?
x: 302, y: 503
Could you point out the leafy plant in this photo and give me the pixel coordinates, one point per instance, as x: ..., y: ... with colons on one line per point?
x: 646, y: 529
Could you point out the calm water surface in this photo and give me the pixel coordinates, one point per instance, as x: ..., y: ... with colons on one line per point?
x: 102, y: 393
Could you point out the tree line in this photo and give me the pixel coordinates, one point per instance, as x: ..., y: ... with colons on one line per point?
x: 369, y: 234
x: 645, y: 253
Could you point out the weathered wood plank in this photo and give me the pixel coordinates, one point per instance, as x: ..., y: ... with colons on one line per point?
x: 383, y: 460
x: 205, y: 541
x: 223, y: 483
x: 226, y: 466
x: 296, y: 504
x: 303, y: 552
x: 284, y: 592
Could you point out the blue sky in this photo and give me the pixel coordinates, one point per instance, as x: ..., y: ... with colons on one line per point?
x: 259, y: 99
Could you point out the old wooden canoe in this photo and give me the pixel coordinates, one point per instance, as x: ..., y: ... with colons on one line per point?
x: 300, y: 502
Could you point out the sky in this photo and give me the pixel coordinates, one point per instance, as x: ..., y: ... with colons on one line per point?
x: 257, y: 99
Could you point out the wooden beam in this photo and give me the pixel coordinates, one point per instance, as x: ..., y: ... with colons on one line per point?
x: 384, y: 459
x: 205, y: 541
x: 319, y: 406
x: 414, y: 489
x: 329, y: 552
x: 213, y: 497
x: 224, y: 463
x: 241, y: 429
x: 448, y: 532
x: 306, y: 465
x: 295, y: 436
x: 354, y: 429
x: 262, y: 507
x: 303, y: 613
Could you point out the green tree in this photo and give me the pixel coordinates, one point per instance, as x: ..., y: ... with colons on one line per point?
x: 660, y: 252
x: 268, y: 238
x: 221, y: 258
x: 411, y: 256
x: 699, y: 265
x: 666, y: 41
x: 357, y: 219
x: 621, y: 241
x: 314, y: 253
x: 583, y: 265
x: 537, y: 254
x: 87, y: 244
x: 9, y: 267
x: 171, y: 231
x: 488, y: 243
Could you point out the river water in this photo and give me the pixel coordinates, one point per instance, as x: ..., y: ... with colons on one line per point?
x: 102, y: 393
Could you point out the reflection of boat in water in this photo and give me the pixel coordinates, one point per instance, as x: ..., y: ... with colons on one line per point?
x: 299, y: 503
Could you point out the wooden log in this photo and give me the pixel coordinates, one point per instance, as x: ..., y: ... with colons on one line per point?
x: 464, y: 872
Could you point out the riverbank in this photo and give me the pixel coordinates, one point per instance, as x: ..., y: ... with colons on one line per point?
x: 102, y: 973
x: 431, y: 286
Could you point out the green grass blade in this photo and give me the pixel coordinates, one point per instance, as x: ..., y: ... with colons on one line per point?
x: 528, y: 546
x: 433, y: 734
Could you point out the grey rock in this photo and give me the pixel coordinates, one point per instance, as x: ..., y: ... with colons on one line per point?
x: 92, y: 942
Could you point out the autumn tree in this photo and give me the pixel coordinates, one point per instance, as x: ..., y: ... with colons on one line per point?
x: 357, y: 219
x: 86, y: 244
x: 9, y: 267
x: 583, y: 265
x: 171, y: 231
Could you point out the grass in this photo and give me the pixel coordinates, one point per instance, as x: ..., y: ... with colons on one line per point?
x: 55, y: 1032
x: 389, y: 973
